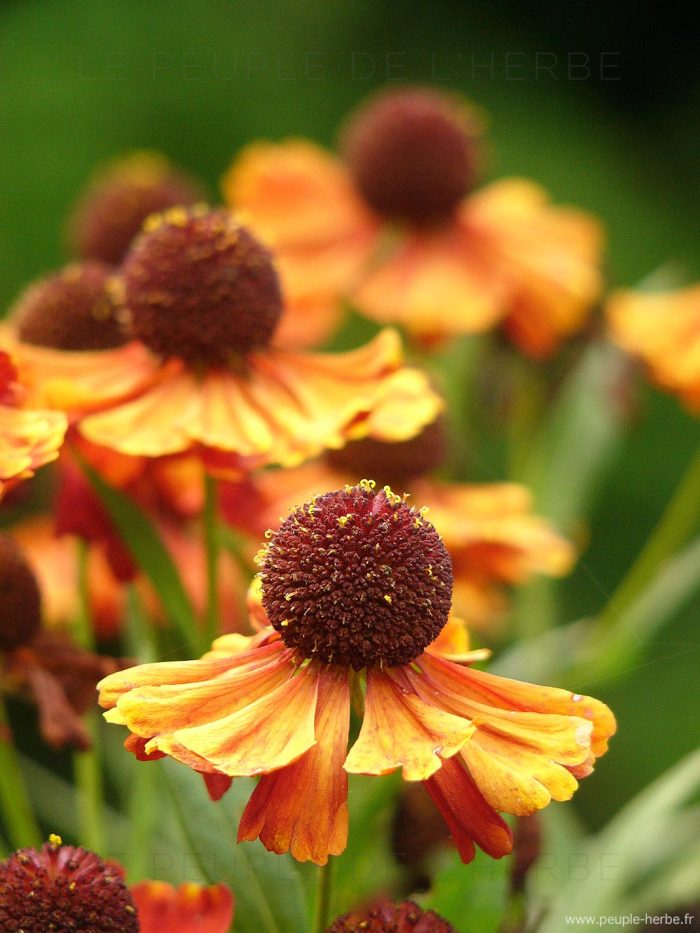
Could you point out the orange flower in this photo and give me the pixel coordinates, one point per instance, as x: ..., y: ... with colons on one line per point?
x: 190, y: 908
x: 201, y: 298
x: 663, y: 329
x: 356, y: 586
x: 490, y: 531
x: 29, y: 438
x: 398, y: 231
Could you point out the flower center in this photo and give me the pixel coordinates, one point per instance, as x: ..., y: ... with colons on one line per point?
x: 412, y: 154
x: 118, y: 201
x: 199, y: 286
x: 357, y: 577
x: 386, y: 917
x: 64, y: 888
x: 393, y: 464
x: 20, y: 599
x: 71, y: 310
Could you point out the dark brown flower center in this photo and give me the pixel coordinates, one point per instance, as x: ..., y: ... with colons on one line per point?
x: 20, y: 599
x: 64, y: 888
x: 71, y: 310
x: 199, y: 286
x: 385, y: 917
x: 412, y: 153
x: 358, y: 578
x: 396, y: 464
x: 122, y: 196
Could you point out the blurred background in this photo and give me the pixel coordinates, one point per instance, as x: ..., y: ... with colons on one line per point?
x: 598, y: 102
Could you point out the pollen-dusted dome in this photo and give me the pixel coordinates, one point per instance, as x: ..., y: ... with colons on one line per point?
x: 357, y: 577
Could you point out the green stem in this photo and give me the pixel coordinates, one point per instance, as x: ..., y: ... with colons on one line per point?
x: 525, y: 414
x: 87, y: 767
x: 143, y: 800
x: 678, y: 522
x: 20, y: 821
x: 212, y: 546
x: 323, y: 897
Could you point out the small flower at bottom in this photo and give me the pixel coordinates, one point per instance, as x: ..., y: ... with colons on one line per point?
x: 190, y: 908
x: 64, y: 888
x: 356, y: 585
x: 385, y: 917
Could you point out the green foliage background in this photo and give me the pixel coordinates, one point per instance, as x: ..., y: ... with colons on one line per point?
x: 82, y: 80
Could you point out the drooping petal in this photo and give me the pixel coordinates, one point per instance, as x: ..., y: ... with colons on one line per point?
x: 285, y: 408
x: 529, y: 740
x: 302, y: 808
x: 400, y: 729
x: 548, y: 256
x: 190, y: 908
x: 431, y: 284
x: 453, y: 644
x: 29, y: 438
x: 264, y: 735
x: 469, y: 817
x: 663, y: 329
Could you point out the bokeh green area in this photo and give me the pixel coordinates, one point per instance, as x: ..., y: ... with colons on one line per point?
x: 82, y: 80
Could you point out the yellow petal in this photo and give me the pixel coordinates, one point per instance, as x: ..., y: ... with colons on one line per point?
x: 401, y: 730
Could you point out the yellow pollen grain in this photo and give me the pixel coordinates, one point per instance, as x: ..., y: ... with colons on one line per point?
x: 344, y: 519
x: 72, y: 886
x: 429, y: 570
x: 55, y: 840
x: 285, y: 622
x: 366, y: 485
x: 387, y: 598
x: 290, y: 596
x: 391, y: 496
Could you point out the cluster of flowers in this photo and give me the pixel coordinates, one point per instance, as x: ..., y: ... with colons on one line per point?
x: 176, y: 348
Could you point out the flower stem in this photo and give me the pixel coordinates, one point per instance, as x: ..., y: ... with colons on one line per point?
x: 678, y: 522
x: 143, y: 799
x: 324, y: 895
x: 86, y: 764
x: 212, y: 546
x: 21, y: 824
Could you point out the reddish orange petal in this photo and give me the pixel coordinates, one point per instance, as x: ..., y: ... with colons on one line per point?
x: 294, y: 194
x: 469, y: 817
x: 663, y: 329
x: 191, y: 908
x: 433, y: 286
x: 266, y: 734
x: 302, y: 808
x: 548, y: 256
x: 400, y: 729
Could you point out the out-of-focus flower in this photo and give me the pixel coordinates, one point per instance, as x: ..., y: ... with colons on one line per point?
x: 399, y: 230
x: 58, y: 676
x: 386, y: 917
x: 662, y: 329
x: 120, y: 196
x: 64, y: 888
x: 29, y: 437
x: 490, y: 531
x: 356, y: 585
x: 190, y: 908
x: 201, y: 298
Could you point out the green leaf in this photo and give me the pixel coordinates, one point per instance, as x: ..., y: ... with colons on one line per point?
x: 616, y: 872
x: 270, y: 896
x: 473, y: 898
x: 146, y: 548
x: 579, y: 438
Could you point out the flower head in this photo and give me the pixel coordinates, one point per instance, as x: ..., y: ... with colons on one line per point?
x: 118, y: 200
x: 190, y: 908
x: 359, y: 578
x: 200, y: 297
x: 398, y: 230
x: 385, y: 917
x: 64, y: 888
x: 411, y: 153
x: 70, y: 310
